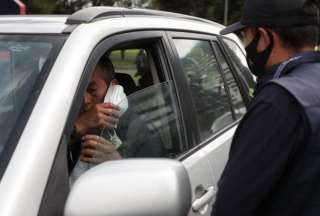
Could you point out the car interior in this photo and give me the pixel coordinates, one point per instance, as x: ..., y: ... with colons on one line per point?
x: 151, y: 126
x: 139, y: 70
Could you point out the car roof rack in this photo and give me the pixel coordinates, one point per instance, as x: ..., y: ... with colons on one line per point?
x: 91, y: 14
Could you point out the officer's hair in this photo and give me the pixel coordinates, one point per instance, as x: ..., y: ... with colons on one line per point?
x: 107, y: 67
x: 298, y: 37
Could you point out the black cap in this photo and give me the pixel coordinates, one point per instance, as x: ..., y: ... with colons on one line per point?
x: 272, y: 13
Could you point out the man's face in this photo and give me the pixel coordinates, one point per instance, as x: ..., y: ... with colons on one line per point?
x: 96, y: 90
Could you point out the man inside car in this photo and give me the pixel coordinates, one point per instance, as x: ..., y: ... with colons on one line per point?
x: 94, y: 116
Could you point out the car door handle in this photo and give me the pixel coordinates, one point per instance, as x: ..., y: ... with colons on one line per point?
x: 199, y: 203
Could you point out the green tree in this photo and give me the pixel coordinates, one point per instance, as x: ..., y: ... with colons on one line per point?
x: 62, y: 6
x: 208, y: 9
x: 70, y: 6
x: 40, y: 7
x: 174, y: 6
x: 235, y: 10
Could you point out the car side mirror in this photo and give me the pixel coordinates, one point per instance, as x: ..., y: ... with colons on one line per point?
x: 132, y: 187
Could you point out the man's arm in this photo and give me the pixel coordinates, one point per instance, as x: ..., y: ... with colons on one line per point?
x: 98, y: 116
x: 264, y: 141
x: 97, y: 149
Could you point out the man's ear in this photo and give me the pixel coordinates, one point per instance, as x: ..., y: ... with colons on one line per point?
x: 265, y: 39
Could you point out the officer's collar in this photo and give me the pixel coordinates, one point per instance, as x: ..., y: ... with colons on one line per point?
x: 296, y: 60
x: 286, y: 67
x: 265, y: 78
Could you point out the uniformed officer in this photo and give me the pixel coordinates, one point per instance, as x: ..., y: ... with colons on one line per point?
x: 274, y: 160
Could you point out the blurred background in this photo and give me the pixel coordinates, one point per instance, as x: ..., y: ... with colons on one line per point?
x: 221, y: 11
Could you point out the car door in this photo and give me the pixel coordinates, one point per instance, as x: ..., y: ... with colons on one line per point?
x: 153, y: 125
x: 213, y: 92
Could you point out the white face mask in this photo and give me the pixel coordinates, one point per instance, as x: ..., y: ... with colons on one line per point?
x: 116, y: 96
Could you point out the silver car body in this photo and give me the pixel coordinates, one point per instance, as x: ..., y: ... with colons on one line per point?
x: 24, y: 181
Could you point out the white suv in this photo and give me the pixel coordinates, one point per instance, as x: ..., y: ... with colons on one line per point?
x: 187, y: 86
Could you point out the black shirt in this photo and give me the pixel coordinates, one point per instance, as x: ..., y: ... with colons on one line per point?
x: 260, y: 153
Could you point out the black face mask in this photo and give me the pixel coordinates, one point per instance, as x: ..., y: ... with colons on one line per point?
x: 257, y: 61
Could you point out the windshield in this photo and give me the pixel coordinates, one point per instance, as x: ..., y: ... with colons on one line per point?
x: 25, y: 61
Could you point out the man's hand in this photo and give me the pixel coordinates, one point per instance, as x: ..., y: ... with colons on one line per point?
x: 98, y: 116
x: 96, y: 149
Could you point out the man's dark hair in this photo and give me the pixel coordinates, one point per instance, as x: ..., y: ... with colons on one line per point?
x: 300, y: 36
x: 107, y: 67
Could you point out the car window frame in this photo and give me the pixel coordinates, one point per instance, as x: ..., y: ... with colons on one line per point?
x: 192, y: 122
x: 101, y: 48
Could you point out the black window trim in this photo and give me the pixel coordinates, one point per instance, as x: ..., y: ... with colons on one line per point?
x: 226, y: 86
x: 235, y: 76
x: 244, y: 89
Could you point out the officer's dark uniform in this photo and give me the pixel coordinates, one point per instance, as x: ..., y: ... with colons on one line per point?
x: 280, y: 175
x: 274, y: 161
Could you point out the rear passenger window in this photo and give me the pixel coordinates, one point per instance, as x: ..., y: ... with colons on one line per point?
x: 209, y: 96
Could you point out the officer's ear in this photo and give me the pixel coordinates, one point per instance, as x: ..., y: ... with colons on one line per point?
x: 265, y: 39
